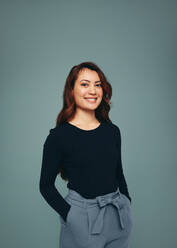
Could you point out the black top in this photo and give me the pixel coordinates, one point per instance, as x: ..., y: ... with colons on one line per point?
x: 90, y: 159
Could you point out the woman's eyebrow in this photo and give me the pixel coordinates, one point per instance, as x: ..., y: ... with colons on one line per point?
x: 89, y: 81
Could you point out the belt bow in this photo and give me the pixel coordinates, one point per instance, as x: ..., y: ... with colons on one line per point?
x: 102, y: 202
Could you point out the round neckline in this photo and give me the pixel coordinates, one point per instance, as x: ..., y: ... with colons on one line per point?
x: 84, y: 130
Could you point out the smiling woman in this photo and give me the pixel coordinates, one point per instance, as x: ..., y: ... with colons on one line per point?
x: 85, y: 149
x: 88, y: 95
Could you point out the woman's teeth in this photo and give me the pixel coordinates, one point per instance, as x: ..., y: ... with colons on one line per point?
x: 91, y: 99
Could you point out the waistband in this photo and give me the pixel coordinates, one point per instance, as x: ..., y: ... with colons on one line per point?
x: 81, y: 201
x: 101, y: 201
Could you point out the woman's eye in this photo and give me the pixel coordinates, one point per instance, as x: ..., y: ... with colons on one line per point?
x: 98, y: 85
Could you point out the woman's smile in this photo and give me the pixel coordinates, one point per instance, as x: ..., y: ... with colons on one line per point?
x: 91, y: 99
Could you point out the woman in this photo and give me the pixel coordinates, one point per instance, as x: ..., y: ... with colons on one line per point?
x: 85, y: 148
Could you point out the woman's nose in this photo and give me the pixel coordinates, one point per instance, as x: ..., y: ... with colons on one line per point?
x: 92, y: 89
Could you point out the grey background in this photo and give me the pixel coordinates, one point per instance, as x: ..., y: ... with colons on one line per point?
x: 134, y: 43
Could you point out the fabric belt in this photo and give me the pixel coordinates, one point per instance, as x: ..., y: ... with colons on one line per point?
x: 102, y: 202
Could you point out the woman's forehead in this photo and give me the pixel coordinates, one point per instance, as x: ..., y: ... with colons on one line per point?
x: 88, y: 74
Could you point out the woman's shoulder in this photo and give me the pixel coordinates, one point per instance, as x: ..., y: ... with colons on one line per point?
x: 55, y: 135
x: 58, y: 130
x: 113, y: 126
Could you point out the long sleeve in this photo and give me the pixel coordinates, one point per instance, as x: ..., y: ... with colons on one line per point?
x: 122, y: 181
x: 51, y: 161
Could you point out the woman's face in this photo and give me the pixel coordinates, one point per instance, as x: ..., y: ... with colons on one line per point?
x: 88, y: 90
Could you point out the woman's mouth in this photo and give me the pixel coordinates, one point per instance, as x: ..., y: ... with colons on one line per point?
x: 91, y: 99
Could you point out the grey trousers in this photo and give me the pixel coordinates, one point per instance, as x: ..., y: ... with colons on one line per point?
x: 103, y: 222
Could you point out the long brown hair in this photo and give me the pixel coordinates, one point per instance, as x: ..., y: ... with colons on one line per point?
x: 69, y: 107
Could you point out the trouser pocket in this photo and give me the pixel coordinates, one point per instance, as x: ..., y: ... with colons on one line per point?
x: 126, y: 198
x: 62, y: 221
x: 77, y: 223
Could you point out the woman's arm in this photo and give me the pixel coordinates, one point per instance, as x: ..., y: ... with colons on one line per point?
x: 51, y: 161
x: 122, y: 181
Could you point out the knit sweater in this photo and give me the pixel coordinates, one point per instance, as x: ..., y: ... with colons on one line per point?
x: 90, y: 159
